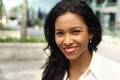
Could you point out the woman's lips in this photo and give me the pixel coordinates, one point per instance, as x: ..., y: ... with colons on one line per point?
x: 70, y: 50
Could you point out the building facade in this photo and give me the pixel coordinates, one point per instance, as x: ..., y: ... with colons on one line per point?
x: 108, y: 12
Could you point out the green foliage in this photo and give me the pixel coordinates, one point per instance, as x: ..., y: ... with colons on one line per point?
x: 15, y: 9
x: 31, y: 39
x: 8, y: 39
x: 1, y: 5
x: 37, y: 21
x: 2, y: 28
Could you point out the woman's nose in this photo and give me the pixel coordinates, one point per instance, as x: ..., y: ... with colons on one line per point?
x: 67, y: 40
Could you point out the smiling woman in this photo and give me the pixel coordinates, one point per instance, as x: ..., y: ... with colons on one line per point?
x: 72, y: 38
x: 73, y: 33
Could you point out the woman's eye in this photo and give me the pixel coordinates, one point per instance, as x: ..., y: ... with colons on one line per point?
x: 76, y: 31
x: 59, y: 33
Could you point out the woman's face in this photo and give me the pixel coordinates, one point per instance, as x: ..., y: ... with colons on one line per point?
x: 71, y: 35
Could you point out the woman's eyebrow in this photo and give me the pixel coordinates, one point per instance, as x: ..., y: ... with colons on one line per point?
x: 76, y: 27
x: 58, y: 29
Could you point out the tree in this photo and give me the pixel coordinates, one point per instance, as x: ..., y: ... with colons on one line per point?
x: 14, y: 9
x: 24, y: 20
x: 1, y: 9
x: 118, y: 15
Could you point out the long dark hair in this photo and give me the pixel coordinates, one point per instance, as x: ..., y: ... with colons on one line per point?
x: 57, y: 64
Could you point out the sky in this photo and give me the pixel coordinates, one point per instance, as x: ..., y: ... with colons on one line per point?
x: 44, y: 5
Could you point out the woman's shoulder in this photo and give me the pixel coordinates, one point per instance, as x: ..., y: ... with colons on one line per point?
x: 109, y: 69
x: 106, y: 61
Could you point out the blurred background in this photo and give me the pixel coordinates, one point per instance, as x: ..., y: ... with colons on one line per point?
x: 22, y: 37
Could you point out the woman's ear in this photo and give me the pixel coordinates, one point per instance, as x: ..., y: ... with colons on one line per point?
x: 90, y: 36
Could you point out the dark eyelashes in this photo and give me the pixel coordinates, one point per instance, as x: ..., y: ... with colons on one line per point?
x: 76, y: 31
x: 58, y: 33
x: 73, y: 32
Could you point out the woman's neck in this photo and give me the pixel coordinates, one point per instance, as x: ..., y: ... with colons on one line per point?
x: 82, y: 61
x: 78, y: 67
